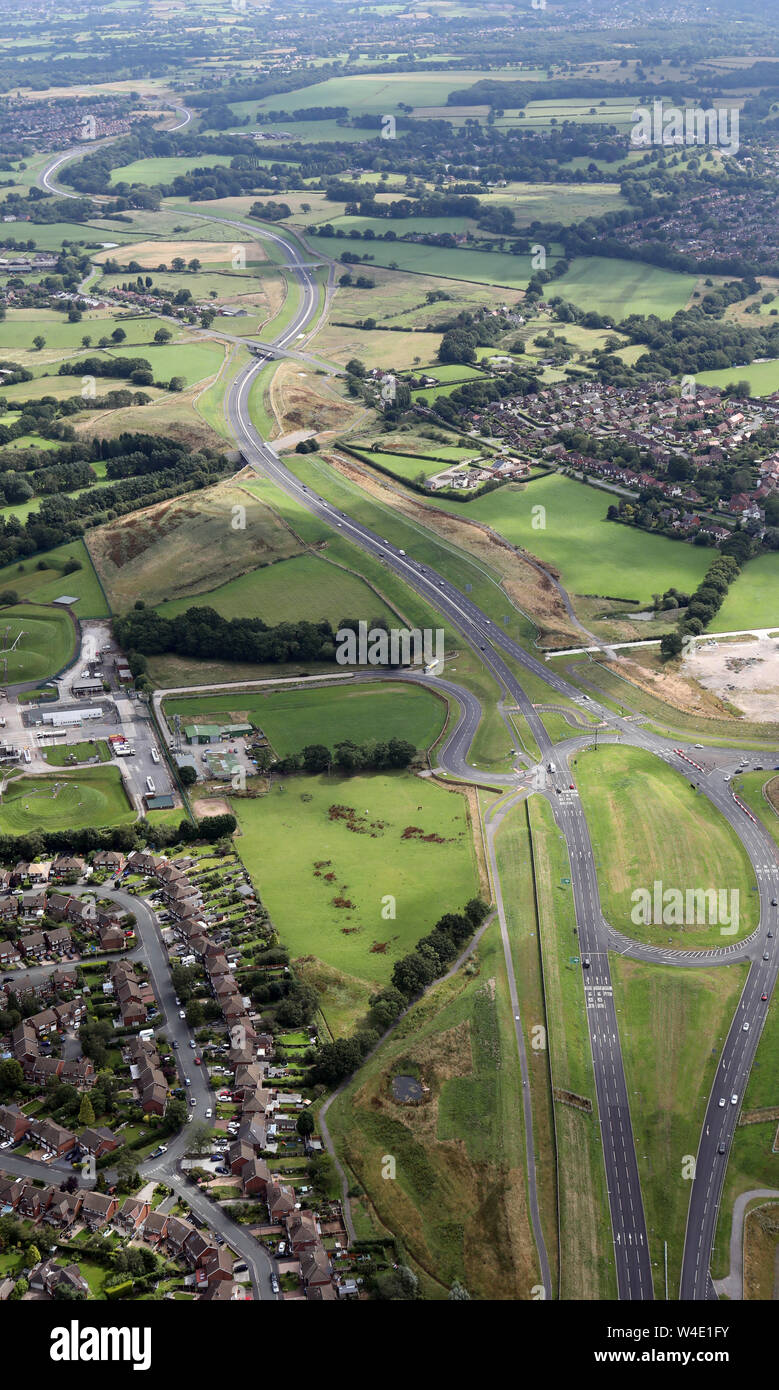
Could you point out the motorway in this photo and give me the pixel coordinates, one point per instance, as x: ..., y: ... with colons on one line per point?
x: 596, y: 937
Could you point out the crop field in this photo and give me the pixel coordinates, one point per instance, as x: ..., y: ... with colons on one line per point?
x: 459, y: 1203
x: 556, y: 202
x: 377, y: 93
x: 649, y: 825
x: 292, y: 718
x: 375, y: 348
x: 668, y: 1021
x: 367, y: 833
x: 621, y: 288
x: 94, y: 796
x: 43, y: 641
x: 753, y: 600
x: 304, y: 587
x: 189, y: 545
x: 41, y: 580
x: 593, y: 555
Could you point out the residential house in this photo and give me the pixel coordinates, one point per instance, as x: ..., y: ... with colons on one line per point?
x: 131, y: 1215
x: 98, y: 1141
x: 255, y: 1176
x: 49, y: 1276
x: 97, y: 1209
x: 14, y: 1124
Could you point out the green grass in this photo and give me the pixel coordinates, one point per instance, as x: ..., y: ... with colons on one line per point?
x: 283, y: 836
x: 763, y: 377
x: 458, y: 1198
x: 646, y: 824
x: 45, y: 641
x: 292, y: 718
x: 59, y: 753
x: 456, y: 263
x: 621, y: 288
x: 49, y: 583
x: 593, y: 555
x: 164, y: 169
x: 753, y: 600
x: 750, y: 787
x: 672, y: 1026
x: 305, y: 586
x: 90, y: 797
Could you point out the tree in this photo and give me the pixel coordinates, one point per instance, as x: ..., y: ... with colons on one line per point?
x: 118, y: 335
x: 305, y: 1124
x: 163, y: 335
x: 670, y: 645
x: 11, y: 1076
x: 39, y: 342
x: 200, y: 1138
x: 187, y: 773
x: 86, y: 1113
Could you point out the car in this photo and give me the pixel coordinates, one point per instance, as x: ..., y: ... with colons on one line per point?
x: 745, y: 1027
x: 282, y: 1248
x: 192, y: 1042
x: 699, y: 745
x: 187, y: 1081
x: 721, y: 1149
x: 220, y: 1240
x: 586, y: 962
x: 190, y: 1118
x: 178, y: 1002
x: 197, y: 1061
x: 571, y: 787
x: 209, y: 1113
x: 734, y: 1098
x: 722, y: 1102
x: 773, y: 902
x: 174, y: 1043
x: 766, y: 956
x: 482, y: 647
x: 770, y: 934
x: 182, y: 1013
x: 726, y: 778
x: 193, y: 1100
x: 764, y: 997
x: 274, y: 1283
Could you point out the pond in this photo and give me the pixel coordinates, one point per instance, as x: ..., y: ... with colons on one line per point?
x: 407, y: 1089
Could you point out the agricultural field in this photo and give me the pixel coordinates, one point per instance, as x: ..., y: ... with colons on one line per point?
x: 556, y: 202
x: 292, y: 718
x: 669, y: 1020
x: 43, y: 641
x: 648, y: 824
x: 368, y: 833
x: 442, y: 263
x: 164, y: 170
x: 592, y: 555
x: 94, y: 796
x: 459, y: 1203
x: 42, y: 580
x: 306, y: 586
x: 186, y: 546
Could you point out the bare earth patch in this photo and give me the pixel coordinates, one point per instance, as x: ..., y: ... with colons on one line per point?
x: 210, y: 806
x: 745, y: 674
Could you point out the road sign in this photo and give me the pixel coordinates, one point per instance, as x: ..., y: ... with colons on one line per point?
x: 575, y: 960
x: 565, y: 880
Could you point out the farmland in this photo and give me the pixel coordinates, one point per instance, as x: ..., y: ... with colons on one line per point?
x: 292, y: 718
x: 753, y: 598
x: 94, y: 796
x: 621, y: 288
x: 291, y: 840
x: 648, y: 825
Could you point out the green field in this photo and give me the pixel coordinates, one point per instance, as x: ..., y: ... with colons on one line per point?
x: 456, y: 263
x: 621, y: 288
x: 59, y: 754
x: 753, y: 600
x: 306, y: 586
x: 594, y: 556
x: 43, y: 641
x: 94, y: 796
x: 763, y: 377
x: 458, y: 1202
x: 672, y: 1026
x: 292, y: 718
x: 164, y: 170
x: 284, y: 835
x: 648, y: 824
x: 47, y: 583
x: 752, y: 788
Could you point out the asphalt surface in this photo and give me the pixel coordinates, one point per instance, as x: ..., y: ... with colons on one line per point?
x: 595, y: 936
